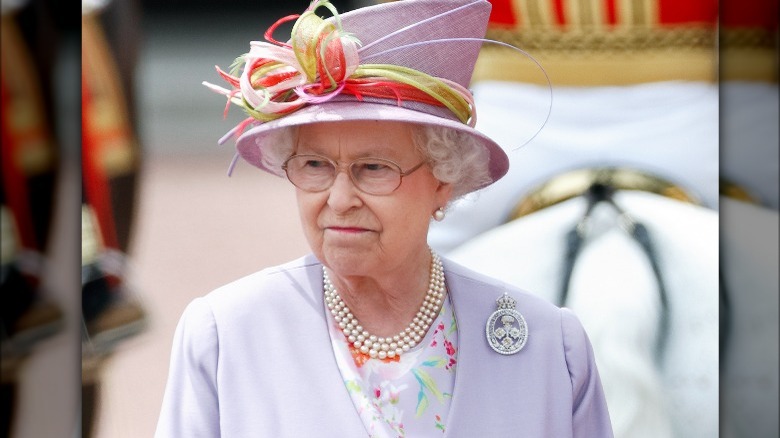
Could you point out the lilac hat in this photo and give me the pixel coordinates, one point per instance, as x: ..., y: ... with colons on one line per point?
x: 406, y: 61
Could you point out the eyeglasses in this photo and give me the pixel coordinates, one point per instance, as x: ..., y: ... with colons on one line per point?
x: 374, y: 176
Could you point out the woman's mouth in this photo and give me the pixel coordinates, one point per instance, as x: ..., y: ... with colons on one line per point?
x: 347, y: 229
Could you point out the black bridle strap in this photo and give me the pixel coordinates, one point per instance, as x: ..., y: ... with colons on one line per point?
x: 575, y: 240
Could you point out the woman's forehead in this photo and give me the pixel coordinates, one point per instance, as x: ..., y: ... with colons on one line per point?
x: 357, y: 139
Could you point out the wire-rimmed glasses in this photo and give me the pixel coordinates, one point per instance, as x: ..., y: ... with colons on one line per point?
x: 374, y: 176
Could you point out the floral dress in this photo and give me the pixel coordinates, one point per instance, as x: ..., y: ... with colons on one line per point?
x: 408, y: 396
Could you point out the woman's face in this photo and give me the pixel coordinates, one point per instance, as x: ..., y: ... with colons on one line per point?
x: 357, y: 234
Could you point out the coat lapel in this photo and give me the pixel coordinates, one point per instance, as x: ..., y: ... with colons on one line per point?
x: 485, y: 396
x: 470, y: 380
x: 342, y: 419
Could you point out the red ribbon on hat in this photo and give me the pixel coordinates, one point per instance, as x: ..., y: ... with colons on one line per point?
x: 321, y: 62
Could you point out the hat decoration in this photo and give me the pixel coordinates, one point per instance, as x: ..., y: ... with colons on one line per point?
x: 323, y: 61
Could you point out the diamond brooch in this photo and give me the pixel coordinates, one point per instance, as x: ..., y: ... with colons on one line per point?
x: 506, y: 329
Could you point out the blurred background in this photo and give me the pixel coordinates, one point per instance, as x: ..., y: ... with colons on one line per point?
x: 140, y: 177
x: 642, y: 100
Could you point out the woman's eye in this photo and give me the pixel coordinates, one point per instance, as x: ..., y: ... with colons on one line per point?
x: 316, y: 164
x: 374, y: 166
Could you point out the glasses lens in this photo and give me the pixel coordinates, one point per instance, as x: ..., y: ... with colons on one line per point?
x: 310, y: 172
x: 375, y: 175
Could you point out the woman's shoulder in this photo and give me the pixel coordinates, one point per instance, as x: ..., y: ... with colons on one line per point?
x: 482, y: 285
x: 477, y: 293
x: 268, y: 286
x: 298, y: 266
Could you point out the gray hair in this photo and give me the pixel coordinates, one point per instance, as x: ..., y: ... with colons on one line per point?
x: 455, y: 157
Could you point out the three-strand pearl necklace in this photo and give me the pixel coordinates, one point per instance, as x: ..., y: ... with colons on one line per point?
x: 389, y: 347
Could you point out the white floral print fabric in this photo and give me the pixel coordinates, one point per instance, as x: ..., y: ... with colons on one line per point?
x: 408, y: 396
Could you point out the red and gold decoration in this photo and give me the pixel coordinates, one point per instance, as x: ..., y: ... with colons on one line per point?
x: 603, y: 42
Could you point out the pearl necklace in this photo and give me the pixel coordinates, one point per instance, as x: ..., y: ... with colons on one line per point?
x: 390, y: 347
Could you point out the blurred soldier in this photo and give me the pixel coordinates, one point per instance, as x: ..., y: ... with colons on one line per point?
x: 29, y: 170
x: 110, y: 162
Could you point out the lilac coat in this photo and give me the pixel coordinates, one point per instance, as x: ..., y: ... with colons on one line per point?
x: 254, y: 359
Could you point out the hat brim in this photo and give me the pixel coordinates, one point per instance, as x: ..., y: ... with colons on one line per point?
x: 251, y: 144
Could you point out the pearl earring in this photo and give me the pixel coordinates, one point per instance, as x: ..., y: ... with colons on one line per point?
x: 438, y: 215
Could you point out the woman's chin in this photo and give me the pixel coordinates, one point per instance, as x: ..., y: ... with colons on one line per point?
x: 348, y: 260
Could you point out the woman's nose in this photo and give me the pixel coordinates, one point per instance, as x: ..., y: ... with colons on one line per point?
x: 343, y: 193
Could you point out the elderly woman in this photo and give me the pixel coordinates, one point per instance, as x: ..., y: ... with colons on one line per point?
x: 374, y: 334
